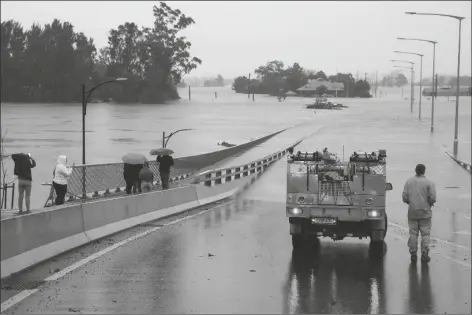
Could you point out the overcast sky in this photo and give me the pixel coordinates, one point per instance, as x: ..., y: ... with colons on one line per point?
x: 233, y: 38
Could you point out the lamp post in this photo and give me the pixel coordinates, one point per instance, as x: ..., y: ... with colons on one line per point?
x: 421, y: 76
x: 408, y: 68
x: 456, y: 128
x: 85, y: 99
x: 432, y: 82
x: 412, y: 94
x: 165, y: 138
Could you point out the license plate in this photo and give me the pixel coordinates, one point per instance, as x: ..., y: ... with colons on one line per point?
x: 327, y: 221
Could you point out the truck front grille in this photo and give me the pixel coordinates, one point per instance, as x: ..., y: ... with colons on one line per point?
x: 335, y: 188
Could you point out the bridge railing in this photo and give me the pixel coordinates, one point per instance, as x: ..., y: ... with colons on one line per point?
x: 223, y: 175
x: 103, y: 179
x: 463, y: 164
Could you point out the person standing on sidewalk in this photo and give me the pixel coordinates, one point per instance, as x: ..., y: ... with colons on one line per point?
x: 165, y: 163
x: 420, y: 195
x: 23, y: 165
x: 61, y: 176
x: 146, y: 177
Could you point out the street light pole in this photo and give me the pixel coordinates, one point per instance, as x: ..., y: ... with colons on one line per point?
x: 85, y: 99
x: 421, y: 86
x: 456, y: 128
x: 412, y: 94
x: 411, y: 73
x: 165, y: 139
x: 83, y: 123
x: 432, y: 83
x: 433, y: 88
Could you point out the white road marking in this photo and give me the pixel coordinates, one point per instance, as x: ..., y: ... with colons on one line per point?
x: 433, y: 238
x: 16, y: 299
x: 26, y: 293
x: 462, y: 232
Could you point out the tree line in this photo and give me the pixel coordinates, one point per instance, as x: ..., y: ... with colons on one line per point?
x: 396, y: 79
x: 50, y: 63
x: 274, y: 79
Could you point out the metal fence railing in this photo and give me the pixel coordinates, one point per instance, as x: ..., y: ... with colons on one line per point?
x: 223, y: 175
x: 103, y: 178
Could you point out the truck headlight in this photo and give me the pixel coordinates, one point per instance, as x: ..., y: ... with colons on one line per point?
x: 295, y: 211
x: 374, y: 213
x: 368, y: 201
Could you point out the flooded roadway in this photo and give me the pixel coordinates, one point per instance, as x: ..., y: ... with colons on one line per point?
x: 112, y: 130
x: 237, y: 257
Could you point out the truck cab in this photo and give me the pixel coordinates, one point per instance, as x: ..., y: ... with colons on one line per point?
x: 337, y: 199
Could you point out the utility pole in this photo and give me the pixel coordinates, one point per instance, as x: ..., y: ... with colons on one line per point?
x: 337, y: 80
x: 249, y: 86
x: 376, y: 82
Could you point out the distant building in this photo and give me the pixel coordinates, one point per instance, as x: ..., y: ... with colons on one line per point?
x: 448, y: 91
x: 290, y: 93
x: 331, y: 87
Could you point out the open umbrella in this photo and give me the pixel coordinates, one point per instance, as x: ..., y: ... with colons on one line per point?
x: 161, y: 151
x: 134, y: 158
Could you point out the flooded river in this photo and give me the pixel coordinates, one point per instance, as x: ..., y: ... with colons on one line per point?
x: 112, y: 130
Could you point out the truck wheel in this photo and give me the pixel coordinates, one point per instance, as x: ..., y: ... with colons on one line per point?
x: 314, y: 240
x: 297, y: 242
x: 377, y: 249
x: 386, y: 225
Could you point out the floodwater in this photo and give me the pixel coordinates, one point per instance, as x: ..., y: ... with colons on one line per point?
x: 112, y: 130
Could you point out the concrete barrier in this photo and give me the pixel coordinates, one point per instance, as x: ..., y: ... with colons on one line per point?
x: 463, y: 164
x: 106, y: 217
x: 30, y: 239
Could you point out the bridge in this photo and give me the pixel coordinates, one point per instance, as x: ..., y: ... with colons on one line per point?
x: 221, y: 243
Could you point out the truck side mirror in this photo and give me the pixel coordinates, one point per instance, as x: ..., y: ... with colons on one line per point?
x: 388, y: 186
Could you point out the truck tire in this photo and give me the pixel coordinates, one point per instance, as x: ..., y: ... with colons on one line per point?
x: 386, y: 225
x: 297, y: 242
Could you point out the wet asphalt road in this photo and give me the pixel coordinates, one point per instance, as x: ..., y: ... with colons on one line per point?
x: 237, y: 258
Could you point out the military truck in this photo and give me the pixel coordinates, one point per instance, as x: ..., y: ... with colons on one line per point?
x: 337, y: 199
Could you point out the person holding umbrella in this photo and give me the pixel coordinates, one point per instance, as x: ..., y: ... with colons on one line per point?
x: 133, y: 164
x: 23, y: 165
x: 165, y: 163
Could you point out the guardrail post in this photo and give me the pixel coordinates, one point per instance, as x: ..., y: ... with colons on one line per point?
x: 118, y: 189
x: 71, y: 198
x: 246, y: 172
x: 207, y: 179
x: 253, y: 168
x: 107, y: 192
x: 218, y: 180
x: 12, y: 195
x: 3, y: 197
x: 238, y: 174
x: 228, y: 176
x: 96, y: 194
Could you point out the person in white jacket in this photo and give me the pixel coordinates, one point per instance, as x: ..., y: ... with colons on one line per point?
x: 61, y: 175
